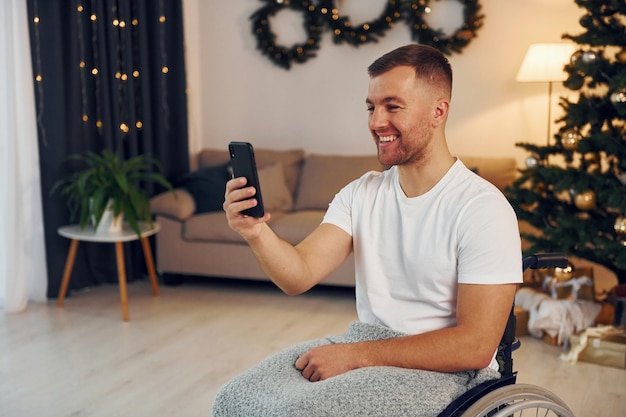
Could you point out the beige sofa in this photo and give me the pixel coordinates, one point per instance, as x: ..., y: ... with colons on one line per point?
x: 296, y: 188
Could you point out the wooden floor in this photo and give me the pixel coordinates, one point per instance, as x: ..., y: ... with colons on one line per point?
x: 178, y: 348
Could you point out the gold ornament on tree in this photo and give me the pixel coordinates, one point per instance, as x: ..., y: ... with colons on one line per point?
x: 621, y: 56
x: 620, y: 225
x: 585, y: 200
x: 570, y: 139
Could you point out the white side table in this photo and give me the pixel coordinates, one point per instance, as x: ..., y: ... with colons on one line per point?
x: 76, y: 234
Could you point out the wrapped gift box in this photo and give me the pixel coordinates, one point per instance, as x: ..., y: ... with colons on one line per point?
x: 608, y: 348
x: 579, y: 285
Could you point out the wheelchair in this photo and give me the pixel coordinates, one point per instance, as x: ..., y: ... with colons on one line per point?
x: 502, y: 397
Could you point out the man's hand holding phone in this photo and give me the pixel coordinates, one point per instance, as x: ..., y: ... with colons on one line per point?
x: 243, y: 202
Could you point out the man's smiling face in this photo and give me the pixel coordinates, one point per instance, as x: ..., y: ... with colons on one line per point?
x: 400, y: 109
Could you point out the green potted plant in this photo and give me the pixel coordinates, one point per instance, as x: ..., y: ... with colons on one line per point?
x: 111, y: 185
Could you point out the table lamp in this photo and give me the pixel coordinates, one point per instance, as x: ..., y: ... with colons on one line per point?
x: 545, y: 62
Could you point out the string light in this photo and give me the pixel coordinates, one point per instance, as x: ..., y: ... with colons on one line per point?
x: 164, y: 67
x: 38, y: 76
x: 90, y: 68
x: 82, y: 65
x: 97, y: 97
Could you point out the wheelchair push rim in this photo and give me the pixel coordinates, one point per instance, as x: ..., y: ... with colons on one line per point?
x: 519, y: 400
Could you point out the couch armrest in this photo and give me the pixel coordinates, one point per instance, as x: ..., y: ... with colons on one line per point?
x: 179, y: 205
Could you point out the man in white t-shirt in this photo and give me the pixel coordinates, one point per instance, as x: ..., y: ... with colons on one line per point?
x: 437, y: 248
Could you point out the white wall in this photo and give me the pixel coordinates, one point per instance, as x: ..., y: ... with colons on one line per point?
x: 235, y: 93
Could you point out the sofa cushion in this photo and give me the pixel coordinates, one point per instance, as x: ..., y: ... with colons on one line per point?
x: 295, y: 226
x: 501, y: 171
x: 178, y: 205
x: 324, y: 175
x: 276, y: 195
x: 214, y: 227
x: 291, y: 160
x: 207, y: 186
x: 210, y: 226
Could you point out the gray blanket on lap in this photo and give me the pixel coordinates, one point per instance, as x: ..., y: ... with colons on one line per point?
x: 276, y: 388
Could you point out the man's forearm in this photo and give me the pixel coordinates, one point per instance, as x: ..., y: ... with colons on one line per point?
x: 297, y: 269
x: 441, y: 351
x: 446, y: 350
x: 281, y: 261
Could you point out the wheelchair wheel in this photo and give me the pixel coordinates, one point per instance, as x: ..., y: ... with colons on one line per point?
x: 519, y: 400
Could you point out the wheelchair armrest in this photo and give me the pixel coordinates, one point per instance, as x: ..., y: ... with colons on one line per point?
x: 545, y: 260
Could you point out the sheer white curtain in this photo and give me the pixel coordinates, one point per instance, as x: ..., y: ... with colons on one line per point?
x: 22, y: 254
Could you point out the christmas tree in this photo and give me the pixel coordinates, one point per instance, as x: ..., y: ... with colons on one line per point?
x: 574, y: 189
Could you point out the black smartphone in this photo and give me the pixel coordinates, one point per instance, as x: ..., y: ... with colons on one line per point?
x: 244, y: 165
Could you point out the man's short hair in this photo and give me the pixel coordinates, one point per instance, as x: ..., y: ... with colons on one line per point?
x: 429, y: 64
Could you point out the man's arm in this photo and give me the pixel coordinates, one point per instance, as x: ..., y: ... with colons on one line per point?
x: 482, y: 313
x: 294, y: 269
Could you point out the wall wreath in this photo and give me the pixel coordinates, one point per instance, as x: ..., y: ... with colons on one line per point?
x: 344, y: 31
x: 266, y: 39
x: 422, y: 33
x: 325, y: 14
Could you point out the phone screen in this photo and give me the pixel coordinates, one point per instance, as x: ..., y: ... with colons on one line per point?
x: 244, y: 165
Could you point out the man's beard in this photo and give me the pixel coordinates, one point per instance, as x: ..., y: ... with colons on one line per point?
x: 402, y: 155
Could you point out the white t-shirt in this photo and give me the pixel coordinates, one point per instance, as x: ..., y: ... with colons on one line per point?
x: 411, y: 253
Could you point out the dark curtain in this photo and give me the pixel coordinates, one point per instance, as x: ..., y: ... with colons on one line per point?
x: 108, y: 75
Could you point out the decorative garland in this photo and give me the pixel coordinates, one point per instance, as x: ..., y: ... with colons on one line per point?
x: 422, y: 33
x: 266, y: 40
x: 316, y: 18
x: 342, y: 28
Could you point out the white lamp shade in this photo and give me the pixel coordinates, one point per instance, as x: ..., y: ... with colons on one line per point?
x: 544, y: 62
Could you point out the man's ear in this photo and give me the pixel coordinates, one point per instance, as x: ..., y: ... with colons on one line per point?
x: 440, y: 112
